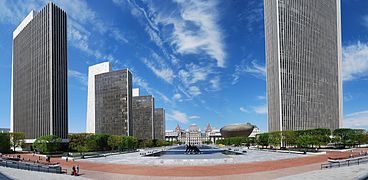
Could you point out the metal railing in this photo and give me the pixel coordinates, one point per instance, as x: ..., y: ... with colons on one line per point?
x: 345, y: 162
x: 30, y: 166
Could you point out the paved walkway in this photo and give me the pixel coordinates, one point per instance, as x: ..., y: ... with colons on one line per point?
x: 11, y: 173
x: 286, y: 166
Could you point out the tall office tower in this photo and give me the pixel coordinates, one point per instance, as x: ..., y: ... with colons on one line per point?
x: 113, y: 103
x: 39, y: 101
x: 159, y: 124
x: 92, y: 72
x: 303, y: 59
x: 143, y: 115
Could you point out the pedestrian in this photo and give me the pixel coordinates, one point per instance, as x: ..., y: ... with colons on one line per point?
x: 73, y: 172
x: 77, y: 169
x: 66, y: 159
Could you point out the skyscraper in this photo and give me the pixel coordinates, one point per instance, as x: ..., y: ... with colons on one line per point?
x: 159, y: 124
x: 92, y: 72
x: 39, y: 100
x: 143, y: 117
x: 113, y: 103
x: 303, y: 59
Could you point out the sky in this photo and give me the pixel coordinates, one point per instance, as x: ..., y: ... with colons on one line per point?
x: 203, y: 61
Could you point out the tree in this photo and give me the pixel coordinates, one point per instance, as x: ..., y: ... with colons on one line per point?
x: 115, y: 142
x: 101, y: 141
x: 47, y: 144
x: 344, y: 136
x: 275, y: 138
x: 16, y: 139
x: 4, y: 142
x: 130, y: 142
x: 262, y: 139
x: 289, y: 138
x: 320, y: 136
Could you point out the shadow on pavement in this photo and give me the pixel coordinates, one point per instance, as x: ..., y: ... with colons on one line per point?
x: 4, y: 177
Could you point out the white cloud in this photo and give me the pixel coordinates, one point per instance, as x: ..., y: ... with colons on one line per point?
x: 355, y: 61
x: 194, y: 27
x: 194, y: 117
x: 243, y: 109
x: 194, y: 74
x: 261, y: 109
x: 144, y: 85
x: 253, y: 69
x: 215, y: 83
x: 165, y: 74
x: 356, y: 120
x: 178, y: 116
x: 194, y: 91
x: 82, y: 78
x: 365, y: 21
x: 176, y: 97
x: 196, y: 30
x: 261, y: 97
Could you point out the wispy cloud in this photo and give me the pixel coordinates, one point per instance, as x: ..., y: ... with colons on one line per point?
x: 355, y: 61
x: 261, y: 97
x: 243, y: 109
x: 194, y: 117
x: 164, y: 73
x: 356, y: 120
x: 195, y: 28
x: 252, y: 68
x: 181, y: 117
x: 261, y: 109
x: 82, y: 78
x: 144, y: 85
x: 194, y: 90
x: 177, y: 97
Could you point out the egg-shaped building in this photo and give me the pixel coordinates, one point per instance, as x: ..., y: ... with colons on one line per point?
x: 236, y: 130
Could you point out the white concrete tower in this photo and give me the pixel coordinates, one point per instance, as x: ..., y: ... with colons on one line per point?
x: 92, y: 72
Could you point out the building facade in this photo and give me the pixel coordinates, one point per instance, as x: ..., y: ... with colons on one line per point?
x: 159, y: 124
x: 92, y: 72
x: 143, y: 117
x: 113, y: 103
x: 303, y: 61
x: 193, y: 135
x: 39, y: 100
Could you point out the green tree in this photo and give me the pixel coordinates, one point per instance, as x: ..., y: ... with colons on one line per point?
x: 275, y: 138
x: 130, y: 142
x: 101, y: 140
x: 16, y: 139
x: 289, y: 138
x: 115, y: 142
x: 47, y: 144
x: 320, y: 136
x: 344, y: 136
x: 4, y: 142
x: 262, y: 139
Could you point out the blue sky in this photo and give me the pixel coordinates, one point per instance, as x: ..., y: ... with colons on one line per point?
x: 204, y: 61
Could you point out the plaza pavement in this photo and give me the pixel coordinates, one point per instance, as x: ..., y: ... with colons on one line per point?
x: 266, y: 169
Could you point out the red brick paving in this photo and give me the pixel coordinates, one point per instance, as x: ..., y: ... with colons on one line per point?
x: 216, y: 170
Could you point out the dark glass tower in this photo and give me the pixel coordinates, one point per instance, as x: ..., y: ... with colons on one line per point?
x: 303, y: 59
x: 39, y: 102
x: 159, y: 124
x: 143, y: 115
x: 113, y: 103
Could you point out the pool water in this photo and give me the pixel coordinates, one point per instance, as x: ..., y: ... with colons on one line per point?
x: 180, y: 150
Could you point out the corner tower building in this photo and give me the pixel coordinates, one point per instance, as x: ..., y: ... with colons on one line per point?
x: 303, y: 59
x: 92, y: 72
x: 39, y: 101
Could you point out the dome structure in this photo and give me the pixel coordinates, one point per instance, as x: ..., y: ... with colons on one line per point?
x: 236, y: 130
